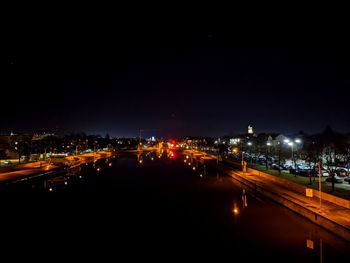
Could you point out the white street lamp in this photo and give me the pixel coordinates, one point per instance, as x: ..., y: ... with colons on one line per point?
x: 297, y: 140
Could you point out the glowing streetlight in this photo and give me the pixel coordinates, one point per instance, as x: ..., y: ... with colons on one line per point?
x: 267, y: 155
x: 319, y: 185
x: 297, y: 140
x: 291, y: 144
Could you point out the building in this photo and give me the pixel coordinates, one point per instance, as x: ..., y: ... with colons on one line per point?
x: 250, y: 130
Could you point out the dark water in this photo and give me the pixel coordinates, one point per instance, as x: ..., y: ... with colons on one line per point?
x: 161, y: 209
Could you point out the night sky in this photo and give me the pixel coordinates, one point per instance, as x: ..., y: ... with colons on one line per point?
x: 180, y: 79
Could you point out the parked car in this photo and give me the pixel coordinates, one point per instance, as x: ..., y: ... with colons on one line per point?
x: 342, y: 172
x: 336, y: 178
x: 325, y: 173
x: 276, y: 166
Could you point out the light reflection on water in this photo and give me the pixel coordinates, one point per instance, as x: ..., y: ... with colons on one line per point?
x: 166, y: 194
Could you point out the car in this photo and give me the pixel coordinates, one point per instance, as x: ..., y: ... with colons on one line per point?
x: 336, y: 179
x: 342, y: 172
x: 275, y: 166
x: 325, y: 173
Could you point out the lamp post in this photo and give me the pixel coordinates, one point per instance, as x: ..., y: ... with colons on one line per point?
x: 279, y: 157
x: 291, y: 144
x: 250, y: 150
x: 242, y: 161
x: 268, y: 144
x: 319, y: 185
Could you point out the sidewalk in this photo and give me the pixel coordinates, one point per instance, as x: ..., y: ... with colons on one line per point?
x: 27, y: 169
x: 339, y: 215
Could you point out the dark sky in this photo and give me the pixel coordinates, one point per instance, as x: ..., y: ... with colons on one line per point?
x: 201, y: 78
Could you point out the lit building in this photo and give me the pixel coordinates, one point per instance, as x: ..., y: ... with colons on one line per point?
x: 250, y: 130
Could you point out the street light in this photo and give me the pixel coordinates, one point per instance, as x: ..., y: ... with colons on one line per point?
x: 250, y: 150
x: 267, y: 155
x: 291, y: 144
x: 319, y: 185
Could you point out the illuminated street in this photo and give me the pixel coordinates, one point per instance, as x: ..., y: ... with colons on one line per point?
x: 127, y: 134
x: 27, y: 169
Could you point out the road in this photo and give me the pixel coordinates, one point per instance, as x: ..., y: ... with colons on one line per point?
x: 24, y: 170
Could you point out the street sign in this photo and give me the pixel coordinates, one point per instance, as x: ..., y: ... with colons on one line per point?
x: 309, y: 244
x: 309, y: 192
